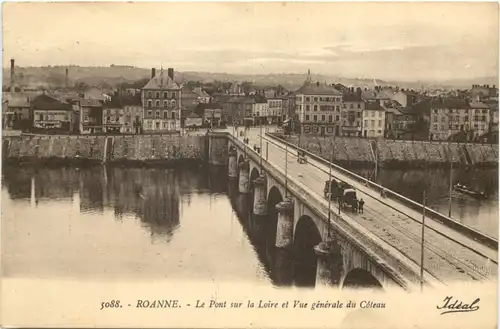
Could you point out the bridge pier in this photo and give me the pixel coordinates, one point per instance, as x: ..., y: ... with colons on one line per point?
x: 284, y: 233
x: 259, y: 201
x: 233, y: 163
x: 329, y: 266
x: 244, y: 182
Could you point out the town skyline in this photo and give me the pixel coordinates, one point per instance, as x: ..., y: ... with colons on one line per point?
x: 430, y: 43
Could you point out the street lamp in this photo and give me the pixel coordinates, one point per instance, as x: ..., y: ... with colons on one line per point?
x: 330, y: 193
x: 286, y: 169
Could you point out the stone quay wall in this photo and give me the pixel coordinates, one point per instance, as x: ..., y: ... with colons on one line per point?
x: 110, y: 149
x: 396, y: 153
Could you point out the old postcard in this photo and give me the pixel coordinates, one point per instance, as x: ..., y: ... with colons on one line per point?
x: 237, y: 164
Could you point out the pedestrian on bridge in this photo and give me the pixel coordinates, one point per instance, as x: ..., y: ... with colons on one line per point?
x: 361, y: 203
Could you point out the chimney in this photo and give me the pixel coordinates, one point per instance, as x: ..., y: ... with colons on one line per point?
x: 66, y: 78
x: 12, y: 86
x: 153, y: 72
x: 171, y: 73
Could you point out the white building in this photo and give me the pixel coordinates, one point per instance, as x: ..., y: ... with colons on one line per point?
x: 373, y: 120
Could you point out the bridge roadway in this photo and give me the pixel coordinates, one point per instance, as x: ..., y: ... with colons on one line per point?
x: 448, y: 255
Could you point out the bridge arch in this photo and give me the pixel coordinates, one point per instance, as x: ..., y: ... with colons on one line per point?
x: 241, y: 158
x: 307, y: 236
x: 360, y: 278
x: 253, y: 176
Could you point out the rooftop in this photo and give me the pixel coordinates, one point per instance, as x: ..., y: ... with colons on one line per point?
x: 318, y: 89
x: 160, y: 82
x: 46, y: 102
x: 352, y: 97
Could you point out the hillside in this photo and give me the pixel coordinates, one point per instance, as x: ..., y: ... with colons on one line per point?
x: 54, y: 76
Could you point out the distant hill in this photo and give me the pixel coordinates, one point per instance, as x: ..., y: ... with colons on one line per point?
x: 111, y: 76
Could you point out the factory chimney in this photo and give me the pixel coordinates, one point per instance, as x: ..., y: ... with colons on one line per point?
x: 12, y: 82
x: 66, y: 78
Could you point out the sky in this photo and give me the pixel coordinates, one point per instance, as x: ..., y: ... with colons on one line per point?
x: 404, y: 41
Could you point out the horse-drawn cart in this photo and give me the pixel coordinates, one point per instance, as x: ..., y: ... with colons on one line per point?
x: 344, y: 193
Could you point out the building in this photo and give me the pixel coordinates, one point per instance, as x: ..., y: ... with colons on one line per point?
x: 453, y: 116
x: 260, y: 111
x: 162, y: 102
x: 133, y: 114
x: 51, y: 115
x: 319, y: 109
x: 91, y: 116
x: 406, y: 97
x: 483, y: 92
x: 351, y: 114
x: 16, y: 111
x: 113, y: 116
x: 373, y: 120
x: 237, y: 110
x: 211, y: 114
x: 274, y: 109
x: 401, y: 122
x: 193, y: 120
x: 202, y: 95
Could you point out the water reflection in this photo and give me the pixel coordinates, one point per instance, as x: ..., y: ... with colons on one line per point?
x: 480, y: 214
x: 159, y: 223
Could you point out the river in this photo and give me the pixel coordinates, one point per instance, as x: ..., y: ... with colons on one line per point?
x: 479, y: 214
x: 111, y: 223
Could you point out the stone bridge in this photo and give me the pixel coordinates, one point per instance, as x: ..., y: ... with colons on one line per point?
x: 298, y: 223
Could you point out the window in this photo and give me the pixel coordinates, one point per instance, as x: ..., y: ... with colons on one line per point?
x: 157, y: 104
x: 315, y: 107
x: 157, y: 125
x: 165, y: 115
x: 164, y: 125
x: 315, y: 118
x: 380, y: 123
x: 322, y: 118
x: 173, y: 115
x: 307, y: 117
x: 337, y: 107
x: 157, y: 94
x: 359, y: 115
x: 308, y: 108
x: 150, y: 113
x: 315, y: 99
x: 337, y: 118
x: 372, y: 123
x: 330, y: 118
x: 150, y: 104
x: 466, y: 118
x: 307, y: 99
x: 157, y: 114
x: 165, y: 94
x: 359, y: 106
x: 164, y: 103
x: 443, y: 119
x: 351, y: 106
x: 150, y: 94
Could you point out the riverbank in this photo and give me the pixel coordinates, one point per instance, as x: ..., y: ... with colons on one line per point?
x: 360, y: 152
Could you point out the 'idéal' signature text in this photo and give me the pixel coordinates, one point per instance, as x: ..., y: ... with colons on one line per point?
x: 451, y: 305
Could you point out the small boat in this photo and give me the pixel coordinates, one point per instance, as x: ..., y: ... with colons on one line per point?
x: 465, y: 190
